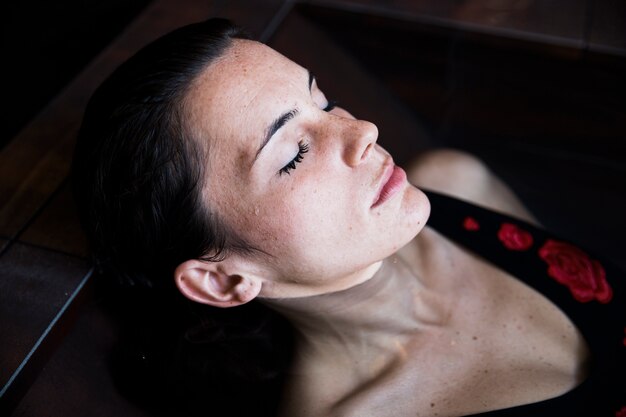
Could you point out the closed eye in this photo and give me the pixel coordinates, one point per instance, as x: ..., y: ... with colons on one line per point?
x: 302, y: 149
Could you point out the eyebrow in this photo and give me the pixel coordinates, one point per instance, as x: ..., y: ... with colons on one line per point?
x: 280, y: 122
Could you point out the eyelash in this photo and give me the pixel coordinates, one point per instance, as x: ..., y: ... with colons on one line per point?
x: 302, y: 149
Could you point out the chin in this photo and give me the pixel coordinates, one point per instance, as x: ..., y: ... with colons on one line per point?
x: 416, y: 210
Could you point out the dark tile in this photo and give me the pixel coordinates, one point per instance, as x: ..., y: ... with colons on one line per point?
x: 3, y: 244
x: 57, y: 226
x: 542, y: 21
x: 255, y: 17
x: 607, y: 31
x: 32, y: 167
x: 36, y: 288
x: 77, y: 380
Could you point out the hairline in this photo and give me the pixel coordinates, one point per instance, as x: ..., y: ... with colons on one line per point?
x: 192, y: 139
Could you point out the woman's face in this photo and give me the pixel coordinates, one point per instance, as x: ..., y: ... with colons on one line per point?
x: 297, y: 181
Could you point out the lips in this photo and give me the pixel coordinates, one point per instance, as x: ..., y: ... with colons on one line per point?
x: 393, y: 179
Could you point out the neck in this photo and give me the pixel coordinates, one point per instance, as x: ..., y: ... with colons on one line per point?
x: 376, y: 317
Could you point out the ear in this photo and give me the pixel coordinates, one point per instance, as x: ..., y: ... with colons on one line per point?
x: 208, y: 283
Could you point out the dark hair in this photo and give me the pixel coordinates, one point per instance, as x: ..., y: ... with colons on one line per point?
x: 137, y: 177
x: 138, y: 172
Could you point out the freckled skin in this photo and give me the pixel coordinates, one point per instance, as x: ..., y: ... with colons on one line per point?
x: 392, y: 318
x: 327, y: 238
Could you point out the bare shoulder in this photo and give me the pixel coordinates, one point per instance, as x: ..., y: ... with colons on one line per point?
x: 463, y: 175
x: 450, y: 171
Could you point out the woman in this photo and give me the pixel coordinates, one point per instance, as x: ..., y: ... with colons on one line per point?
x: 212, y: 162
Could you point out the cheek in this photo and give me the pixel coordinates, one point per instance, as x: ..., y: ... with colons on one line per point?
x: 271, y: 224
x: 298, y: 219
x: 324, y: 222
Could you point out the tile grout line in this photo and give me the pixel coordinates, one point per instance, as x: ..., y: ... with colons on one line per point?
x: 47, y: 331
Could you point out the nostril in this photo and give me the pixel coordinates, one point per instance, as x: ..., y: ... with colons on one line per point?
x: 366, y: 152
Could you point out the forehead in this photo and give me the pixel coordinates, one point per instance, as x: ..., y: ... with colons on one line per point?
x: 240, y: 93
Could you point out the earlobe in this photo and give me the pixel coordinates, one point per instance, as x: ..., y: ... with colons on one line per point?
x: 207, y: 283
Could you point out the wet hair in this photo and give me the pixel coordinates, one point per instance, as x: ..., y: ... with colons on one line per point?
x: 137, y: 177
x: 138, y: 171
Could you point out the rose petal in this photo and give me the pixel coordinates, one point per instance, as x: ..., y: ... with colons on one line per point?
x: 570, y: 266
x: 514, y: 238
x: 470, y: 224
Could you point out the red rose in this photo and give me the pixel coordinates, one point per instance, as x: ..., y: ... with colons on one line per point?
x: 514, y: 238
x: 572, y: 267
x: 621, y: 412
x: 470, y: 224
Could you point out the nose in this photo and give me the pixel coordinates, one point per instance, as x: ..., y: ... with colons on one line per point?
x: 359, y: 139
